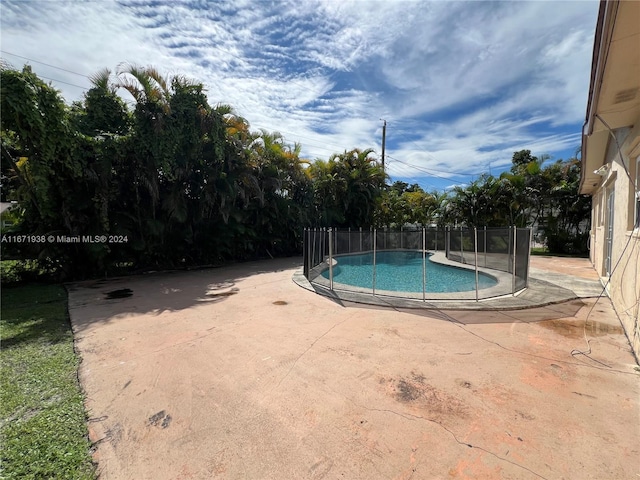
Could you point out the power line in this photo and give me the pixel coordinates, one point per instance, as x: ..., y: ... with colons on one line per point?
x: 419, y: 180
x: 315, y: 146
x: 430, y: 172
x: 295, y: 81
x: 312, y: 145
x: 311, y: 139
x: 444, y: 171
x: 62, y: 81
x: 311, y: 142
x: 87, y: 76
x: 431, y: 157
x: 47, y: 64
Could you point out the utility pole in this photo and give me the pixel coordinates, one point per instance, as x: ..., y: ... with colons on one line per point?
x: 384, y: 135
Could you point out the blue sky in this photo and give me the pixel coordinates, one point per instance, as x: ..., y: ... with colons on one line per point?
x: 462, y: 85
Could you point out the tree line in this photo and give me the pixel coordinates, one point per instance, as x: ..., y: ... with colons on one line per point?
x: 188, y: 183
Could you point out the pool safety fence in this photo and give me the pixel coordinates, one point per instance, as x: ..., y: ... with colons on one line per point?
x: 501, y: 254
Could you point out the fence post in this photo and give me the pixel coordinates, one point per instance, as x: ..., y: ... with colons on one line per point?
x: 401, y: 231
x: 446, y: 241
x: 475, y: 233
x: 313, y: 252
x: 485, y: 245
x: 424, y: 265
x: 461, y: 249
x: 327, y: 234
x: 306, y: 251
x: 513, y: 277
x: 361, y: 239
x: 349, y: 243
x: 374, y: 261
x: 325, y: 243
x: 436, y: 245
x: 310, y: 251
x: 529, y: 258
x: 330, y: 260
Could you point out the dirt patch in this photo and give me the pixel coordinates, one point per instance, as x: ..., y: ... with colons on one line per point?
x: 414, y: 390
x: 573, y: 329
x: 280, y: 302
x: 463, y: 383
x: 408, y: 391
x: 114, y: 434
x: 523, y: 415
x: 160, y: 419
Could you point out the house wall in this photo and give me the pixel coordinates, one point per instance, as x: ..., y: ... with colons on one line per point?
x: 624, y: 284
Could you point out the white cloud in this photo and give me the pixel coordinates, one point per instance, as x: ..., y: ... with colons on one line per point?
x: 462, y: 84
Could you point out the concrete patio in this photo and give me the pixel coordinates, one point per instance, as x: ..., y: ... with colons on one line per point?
x: 239, y: 373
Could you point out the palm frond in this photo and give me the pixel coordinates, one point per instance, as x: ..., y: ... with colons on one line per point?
x: 100, y: 79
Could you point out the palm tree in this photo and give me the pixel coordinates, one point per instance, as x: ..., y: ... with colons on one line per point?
x: 364, y: 181
x: 104, y: 113
x: 102, y: 80
x: 237, y: 126
x: 328, y: 190
x: 145, y: 84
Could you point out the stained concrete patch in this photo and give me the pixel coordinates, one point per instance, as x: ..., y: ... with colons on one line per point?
x: 577, y: 329
x: 182, y: 385
x: 463, y: 383
x: 160, y: 419
x: 413, y: 389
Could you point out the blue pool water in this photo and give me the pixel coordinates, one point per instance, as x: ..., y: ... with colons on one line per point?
x: 401, y: 271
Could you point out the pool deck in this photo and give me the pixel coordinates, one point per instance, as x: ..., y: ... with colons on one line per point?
x: 238, y: 373
x: 550, y: 281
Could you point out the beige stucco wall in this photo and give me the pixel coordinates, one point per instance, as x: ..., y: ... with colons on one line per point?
x: 624, y: 284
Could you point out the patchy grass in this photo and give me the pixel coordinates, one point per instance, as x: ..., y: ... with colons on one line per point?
x: 15, y: 272
x: 42, y: 419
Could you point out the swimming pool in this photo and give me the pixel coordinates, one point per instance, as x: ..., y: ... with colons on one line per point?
x: 401, y: 271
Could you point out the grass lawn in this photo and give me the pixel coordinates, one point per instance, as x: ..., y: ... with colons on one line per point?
x: 42, y: 419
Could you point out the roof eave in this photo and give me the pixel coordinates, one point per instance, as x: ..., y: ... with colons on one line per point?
x: 601, y: 43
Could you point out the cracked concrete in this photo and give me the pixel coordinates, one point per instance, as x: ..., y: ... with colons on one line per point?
x: 238, y: 373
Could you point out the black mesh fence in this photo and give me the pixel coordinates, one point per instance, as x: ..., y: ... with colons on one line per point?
x: 523, y: 241
x: 315, y: 250
x: 462, y: 247
x: 498, y: 249
x: 417, y: 263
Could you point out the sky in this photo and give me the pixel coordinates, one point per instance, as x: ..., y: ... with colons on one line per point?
x: 461, y: 85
